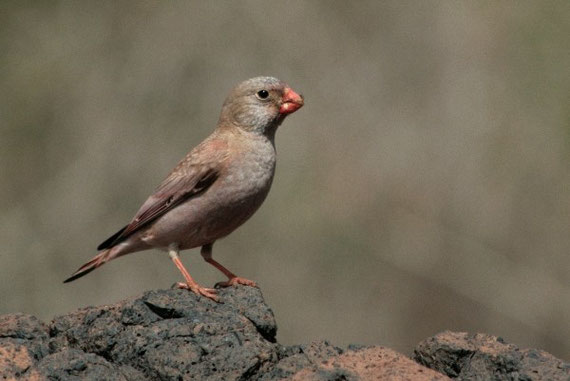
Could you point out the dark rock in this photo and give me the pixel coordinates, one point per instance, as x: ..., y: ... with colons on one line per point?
x: 486, y: 357
x: 73, y: 364
x: 176, y: 335
x: 295, y: 358
x: 22, y: 326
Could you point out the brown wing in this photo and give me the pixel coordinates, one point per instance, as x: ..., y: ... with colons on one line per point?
x: 191, y: 177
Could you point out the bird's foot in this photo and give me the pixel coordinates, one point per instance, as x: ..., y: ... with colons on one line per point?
x: 209, y: 293
x: 235, y: 281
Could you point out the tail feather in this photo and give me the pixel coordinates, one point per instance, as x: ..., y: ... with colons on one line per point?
x: 97, y: 261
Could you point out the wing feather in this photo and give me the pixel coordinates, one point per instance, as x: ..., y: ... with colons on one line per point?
x: 190, y: 178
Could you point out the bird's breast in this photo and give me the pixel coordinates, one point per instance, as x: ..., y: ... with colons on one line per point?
x: 238, y: 192
x: 249, y: 175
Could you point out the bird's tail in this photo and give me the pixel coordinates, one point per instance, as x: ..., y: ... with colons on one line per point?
x: 97, y: 261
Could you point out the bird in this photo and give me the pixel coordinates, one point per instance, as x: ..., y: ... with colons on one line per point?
x: 214, y: 189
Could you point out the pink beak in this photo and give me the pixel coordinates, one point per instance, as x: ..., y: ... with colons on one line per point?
x: 291, y: 102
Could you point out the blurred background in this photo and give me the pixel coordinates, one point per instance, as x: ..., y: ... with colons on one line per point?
x: 424, y: 186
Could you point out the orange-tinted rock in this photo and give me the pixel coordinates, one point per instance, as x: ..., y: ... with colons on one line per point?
x: 374, y: 363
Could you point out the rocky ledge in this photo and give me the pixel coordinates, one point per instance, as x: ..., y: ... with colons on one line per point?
x: 175, y: 335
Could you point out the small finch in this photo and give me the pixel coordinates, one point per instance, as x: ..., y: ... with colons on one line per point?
x: 215, y: 188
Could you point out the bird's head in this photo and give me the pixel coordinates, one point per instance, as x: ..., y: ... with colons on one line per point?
x: 259, y: 105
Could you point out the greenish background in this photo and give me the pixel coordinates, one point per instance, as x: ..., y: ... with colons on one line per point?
x: 424, y: 186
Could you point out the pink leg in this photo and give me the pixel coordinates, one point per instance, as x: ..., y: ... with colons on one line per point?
x: 190, y: 282
x: 233, y: 279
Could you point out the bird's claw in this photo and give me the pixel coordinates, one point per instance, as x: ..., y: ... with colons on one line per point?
x: 209, y: 293
x: 235, y: 281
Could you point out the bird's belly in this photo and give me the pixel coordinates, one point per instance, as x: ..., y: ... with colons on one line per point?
x: 212, y: 215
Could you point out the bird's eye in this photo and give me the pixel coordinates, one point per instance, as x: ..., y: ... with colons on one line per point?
x: 262, y: 94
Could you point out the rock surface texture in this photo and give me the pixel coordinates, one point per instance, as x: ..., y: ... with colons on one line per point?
x: 176, y: 335
x: 485, y: 357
